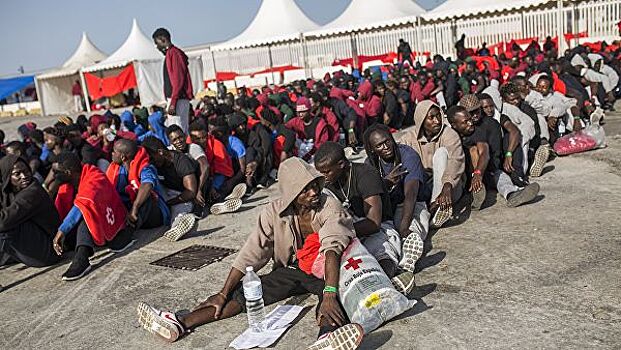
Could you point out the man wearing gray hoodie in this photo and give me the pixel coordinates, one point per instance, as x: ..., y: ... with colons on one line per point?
x: 282, y: 229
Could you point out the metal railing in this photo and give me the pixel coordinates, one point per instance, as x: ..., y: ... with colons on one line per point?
x: 597, y: 18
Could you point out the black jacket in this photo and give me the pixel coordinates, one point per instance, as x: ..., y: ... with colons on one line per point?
x: 30, y: 204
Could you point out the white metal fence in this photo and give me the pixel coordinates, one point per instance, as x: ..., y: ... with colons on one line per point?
x: 597, y: 18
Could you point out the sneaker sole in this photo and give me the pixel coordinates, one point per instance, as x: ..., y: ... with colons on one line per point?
x: 541, y: 157
x: 155, y: 324
x: 412, y: 251
x: 401, y: 287
x: 184, y: 225
x: 347, y: 337
x: 238, y: 192
x: 228, y: 206
x: 121, y: 250
x: 86, y: 271
x: 528, y: 194
x: 441, y: 217
x: 478, y: 198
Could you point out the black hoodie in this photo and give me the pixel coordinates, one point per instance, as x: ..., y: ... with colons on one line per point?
x: 30, y: 204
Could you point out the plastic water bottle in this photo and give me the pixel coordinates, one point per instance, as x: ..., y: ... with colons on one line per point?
x: 253, y: 292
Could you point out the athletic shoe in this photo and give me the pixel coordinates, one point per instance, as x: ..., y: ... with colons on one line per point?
x: 404, y: 282
x: 181, y: 227
x: 160, y: 323
x: 525, y: 195
x: 347, y: 337
x: 238, y: 192
x: 412, y: 250
x: 478, y: 198
x: 441, y: 217
x: 121, y: 249
x: 122, y: 241
x: 79, y: 267
x: 228, y: 206
x: 541, y: 157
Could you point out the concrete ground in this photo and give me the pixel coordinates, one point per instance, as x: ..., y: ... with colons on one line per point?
x: 542, y: 276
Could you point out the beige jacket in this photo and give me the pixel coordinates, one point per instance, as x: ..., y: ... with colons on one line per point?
x: 447, y: 138
x: 277, y: 235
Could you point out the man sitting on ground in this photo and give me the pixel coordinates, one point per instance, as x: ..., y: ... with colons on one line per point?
x: 92, y: 211
x: 360, y: 189
x: 441, y: 153
x: 483, y: 157
x: 135, y: 179
x: 180, y: 181
x: 402, y: 172
x: 224, y: 187
x: 178, y: 142
x: 301, y: 211
x: 28, y: 219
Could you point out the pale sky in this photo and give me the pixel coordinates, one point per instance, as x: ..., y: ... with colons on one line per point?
x: 41, y: 34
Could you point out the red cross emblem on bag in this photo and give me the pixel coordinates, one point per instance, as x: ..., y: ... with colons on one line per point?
x: 353, y: 264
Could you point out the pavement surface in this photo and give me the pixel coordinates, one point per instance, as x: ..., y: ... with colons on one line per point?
x: 542, y: 276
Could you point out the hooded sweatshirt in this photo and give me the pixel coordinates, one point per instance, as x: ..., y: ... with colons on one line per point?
x: 447, y: 138
x: 278, y: 235
x: 30, y: 204
x: 157, y: 129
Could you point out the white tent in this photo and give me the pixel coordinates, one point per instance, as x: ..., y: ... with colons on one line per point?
x: 54, y: 87
x: 464, y: 8
x: 138, y: 49
x: 276, y: 21
x: 371, y: 14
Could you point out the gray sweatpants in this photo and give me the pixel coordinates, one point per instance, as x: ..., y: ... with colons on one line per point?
x: 182, y: 115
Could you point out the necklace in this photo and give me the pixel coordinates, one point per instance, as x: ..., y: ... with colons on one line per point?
x: 346, y: 203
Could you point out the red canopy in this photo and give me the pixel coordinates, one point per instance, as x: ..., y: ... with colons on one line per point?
x: 221, y: 76
x: 279, y: 69
x: 110, y: 86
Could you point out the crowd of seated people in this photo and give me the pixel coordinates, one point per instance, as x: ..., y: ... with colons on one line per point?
x: 471, y: 126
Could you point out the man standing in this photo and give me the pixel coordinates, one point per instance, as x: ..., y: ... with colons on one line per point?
x: 76, y: 91
x: 177, y: 81
x: 405, y: 52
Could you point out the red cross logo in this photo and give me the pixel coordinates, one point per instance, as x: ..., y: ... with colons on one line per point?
x: 353, y: 263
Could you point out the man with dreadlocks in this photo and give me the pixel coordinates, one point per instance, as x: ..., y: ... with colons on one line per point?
x: 402, y: 173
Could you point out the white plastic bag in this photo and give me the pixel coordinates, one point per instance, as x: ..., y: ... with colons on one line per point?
x: 597, y: 133
x: 365, y: 291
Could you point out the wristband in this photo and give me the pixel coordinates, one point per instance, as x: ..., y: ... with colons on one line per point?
x: 508, y: 154
x: 350, y: 130
x: 577, y: 118
x: 476, y: 172
x: 330, y: 289
x: 223, y: 295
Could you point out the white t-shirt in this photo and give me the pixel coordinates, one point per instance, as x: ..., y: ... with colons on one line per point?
x: 195, y: 151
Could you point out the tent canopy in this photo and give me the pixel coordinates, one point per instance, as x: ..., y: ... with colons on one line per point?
x: 85, y: 55
x: 370, y: 14
x: 9, y: 86
x: 136, y: 47
x: 276, y: 21
x: 464, y: 8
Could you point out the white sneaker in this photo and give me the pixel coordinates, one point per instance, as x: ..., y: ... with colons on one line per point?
x: 541, y: 157
x: 228, y: 206
x: 347, y: 337
x: 441, y: 217
x: 238, y: 192
x: 181, y: 227
x: 412, y: 250
x: 160, y: 323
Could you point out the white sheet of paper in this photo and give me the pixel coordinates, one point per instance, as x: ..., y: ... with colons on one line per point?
x: 276, y: 323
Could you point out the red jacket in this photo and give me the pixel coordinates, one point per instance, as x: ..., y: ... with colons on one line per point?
x: 179, y: 74
x: 100, y: 204
x: 322, y: 131
x: 140, y: 161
